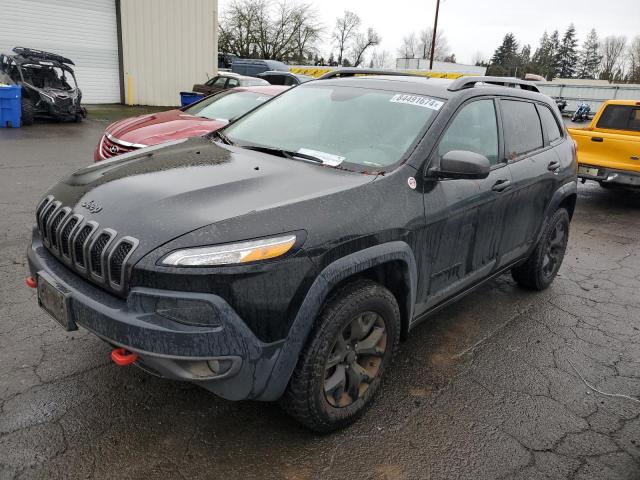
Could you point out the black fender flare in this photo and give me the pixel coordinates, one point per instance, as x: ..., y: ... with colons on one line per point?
x: 562, y: 193
x: 326, y: 280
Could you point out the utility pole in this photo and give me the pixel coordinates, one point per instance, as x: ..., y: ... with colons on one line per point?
x: 435, y: 32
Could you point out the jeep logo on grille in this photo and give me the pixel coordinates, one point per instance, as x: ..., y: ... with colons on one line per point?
x: 114, y: 149
x: 92, y: 206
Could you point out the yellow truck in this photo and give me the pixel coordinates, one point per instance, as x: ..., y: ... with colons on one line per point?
x: 609, y: 148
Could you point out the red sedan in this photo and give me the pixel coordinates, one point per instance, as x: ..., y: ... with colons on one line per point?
x: 194, y: 120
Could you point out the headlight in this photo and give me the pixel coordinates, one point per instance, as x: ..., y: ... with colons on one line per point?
x: 233, y: 253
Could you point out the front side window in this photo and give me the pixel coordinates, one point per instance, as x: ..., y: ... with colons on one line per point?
x: 620, y: 117
x: 522, y: 130
x: 289, y: 81
x: 363, y: 126
x: 218, y: 82
x: 474, y: 129
x: 274, y: 79
x: 227, y: 106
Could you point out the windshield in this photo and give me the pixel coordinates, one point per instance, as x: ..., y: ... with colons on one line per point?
x: 227, y: 106
x: 48, y: 76
x: 372, y: 128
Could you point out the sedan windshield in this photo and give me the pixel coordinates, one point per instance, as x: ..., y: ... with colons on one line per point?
x: 227, y: 106
x: 336, y: 124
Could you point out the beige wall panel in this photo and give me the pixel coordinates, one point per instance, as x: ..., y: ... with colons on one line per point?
x: 167, y: 46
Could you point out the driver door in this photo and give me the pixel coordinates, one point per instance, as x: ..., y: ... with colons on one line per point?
x: 465, y: 218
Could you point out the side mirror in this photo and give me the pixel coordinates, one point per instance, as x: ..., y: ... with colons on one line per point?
x: 463, y: 164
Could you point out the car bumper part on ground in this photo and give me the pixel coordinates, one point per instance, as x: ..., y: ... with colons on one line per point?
x: 609, y: 176
x: 226, y: 358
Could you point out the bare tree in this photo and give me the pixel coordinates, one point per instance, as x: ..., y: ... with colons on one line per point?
x: 612, y: 50
x: 308, y: 32
x: 362, y: 43
x: 346, y: 30
x: 409, y: 46
x: 424, y: 44
x: 381, y: 59
x: 237, y: 26
x: 479, y: 59
x: 272, y: 30
x: 634, y: 60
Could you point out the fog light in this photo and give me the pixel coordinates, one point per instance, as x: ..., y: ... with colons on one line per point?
x: 219, y: 366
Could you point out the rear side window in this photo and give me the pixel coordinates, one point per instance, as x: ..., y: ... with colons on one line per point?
x: 550, y: 123
x: 620, y: 117
x: 474, y: 129
x: 522, y: 129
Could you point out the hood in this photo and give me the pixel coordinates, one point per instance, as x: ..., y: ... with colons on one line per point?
x: 160, y: 193
x: 161, y: 127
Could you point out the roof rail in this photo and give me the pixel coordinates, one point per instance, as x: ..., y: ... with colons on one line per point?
x: 351, y: 72
x: 469, y: 82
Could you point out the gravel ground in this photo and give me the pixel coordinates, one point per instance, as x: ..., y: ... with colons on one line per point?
x: 504, y: 384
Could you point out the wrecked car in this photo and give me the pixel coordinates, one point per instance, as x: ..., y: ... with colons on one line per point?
x: 284, y: 256
x: 49, y: 87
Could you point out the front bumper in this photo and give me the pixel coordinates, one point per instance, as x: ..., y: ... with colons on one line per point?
x: 610, y: 176
x: 166, y: 347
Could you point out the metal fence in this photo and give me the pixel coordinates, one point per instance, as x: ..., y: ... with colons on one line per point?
x: 594, y: 95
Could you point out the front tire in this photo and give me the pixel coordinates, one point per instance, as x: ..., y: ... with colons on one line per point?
x: 543, y: 264
x: 28, y: 112
x: 341, y: 367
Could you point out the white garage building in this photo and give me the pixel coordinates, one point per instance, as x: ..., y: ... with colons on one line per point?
x: 126, y: 51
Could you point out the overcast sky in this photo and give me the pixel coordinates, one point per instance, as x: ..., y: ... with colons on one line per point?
x: 478, y: 25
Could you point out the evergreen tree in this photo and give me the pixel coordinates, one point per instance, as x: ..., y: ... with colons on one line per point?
x: 589, y: 58
x: 554, y: 57
x: 505, y: 59
x: 567, y: 54
x: 545, y: 59
x: 524, y: 59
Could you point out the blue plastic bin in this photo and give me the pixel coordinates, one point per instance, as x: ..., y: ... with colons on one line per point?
x: 187, y: 98
x: 10, y: 106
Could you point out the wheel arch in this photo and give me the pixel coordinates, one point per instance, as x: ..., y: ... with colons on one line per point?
x: 392, y: 262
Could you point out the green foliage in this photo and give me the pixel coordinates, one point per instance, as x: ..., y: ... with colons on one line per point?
x: 567, y: 57
x: 589, y: 58
x: 505, y: 59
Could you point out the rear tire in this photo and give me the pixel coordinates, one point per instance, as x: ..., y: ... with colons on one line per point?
x: 543, y: 264
x: 336, y: 377
x: 28, y: 112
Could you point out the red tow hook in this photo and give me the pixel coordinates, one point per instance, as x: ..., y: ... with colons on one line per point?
x: 31, y: 283
x: 123, y: 357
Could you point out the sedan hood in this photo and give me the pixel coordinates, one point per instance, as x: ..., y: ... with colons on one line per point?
x: 162, y: 127
x: 160, y: 193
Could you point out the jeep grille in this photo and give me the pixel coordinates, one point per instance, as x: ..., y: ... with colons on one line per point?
x: 97, y: 253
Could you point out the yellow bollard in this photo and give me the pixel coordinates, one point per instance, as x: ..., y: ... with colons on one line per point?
x: 129, y: 90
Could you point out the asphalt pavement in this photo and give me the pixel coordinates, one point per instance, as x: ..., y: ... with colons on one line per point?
x: 505, y: 384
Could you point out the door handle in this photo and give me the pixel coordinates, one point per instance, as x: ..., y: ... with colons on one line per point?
x: 554, y: 166
x: 597, y: 139
x: 501, y: 185
x: 635, y: 157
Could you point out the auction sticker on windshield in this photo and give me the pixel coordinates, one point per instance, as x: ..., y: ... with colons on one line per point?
x: 417, y: 100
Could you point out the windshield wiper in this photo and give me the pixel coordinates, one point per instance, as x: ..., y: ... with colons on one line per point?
x: 222, y: 137
x: 283, y: 153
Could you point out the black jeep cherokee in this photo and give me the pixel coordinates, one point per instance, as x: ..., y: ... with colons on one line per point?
x: 285, y: 256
